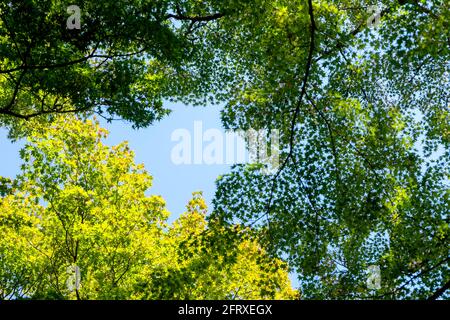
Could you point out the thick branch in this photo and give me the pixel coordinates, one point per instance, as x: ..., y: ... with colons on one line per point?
x: 440, y: 291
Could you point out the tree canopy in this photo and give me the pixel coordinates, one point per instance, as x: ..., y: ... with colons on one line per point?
x: 360, y: 95
x: 81, y: 205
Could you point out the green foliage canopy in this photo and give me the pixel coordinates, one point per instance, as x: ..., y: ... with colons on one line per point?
x: 78, y: 203
x: 363, y: 113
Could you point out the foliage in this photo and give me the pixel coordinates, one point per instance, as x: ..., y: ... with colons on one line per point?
x: 363, y: 116
x: 362, y: 110
x: 79, y: 203
x: 124, y: 60
x: 214, y: 262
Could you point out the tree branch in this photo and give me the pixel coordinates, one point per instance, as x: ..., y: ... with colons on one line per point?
x: 309, y: 62
x: 183, y: 17
x: 440, y: 291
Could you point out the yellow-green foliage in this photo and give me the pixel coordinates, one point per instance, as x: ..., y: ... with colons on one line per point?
x: 82, y: 203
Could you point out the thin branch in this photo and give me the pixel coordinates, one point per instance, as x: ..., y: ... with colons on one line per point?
x: 52, y: 66
x: 309, y: 62
x: 183, y: 17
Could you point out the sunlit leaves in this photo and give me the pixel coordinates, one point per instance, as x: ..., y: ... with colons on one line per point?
x: 79, y: 203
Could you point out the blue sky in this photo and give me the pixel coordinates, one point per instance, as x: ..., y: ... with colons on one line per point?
x: 152, y: 146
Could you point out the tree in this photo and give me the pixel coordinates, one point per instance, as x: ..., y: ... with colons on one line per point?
x: 214, y: 262
x: 363, y: 117
x: 118, y: 61
x: 76, y: 223
x: 360, y: 97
